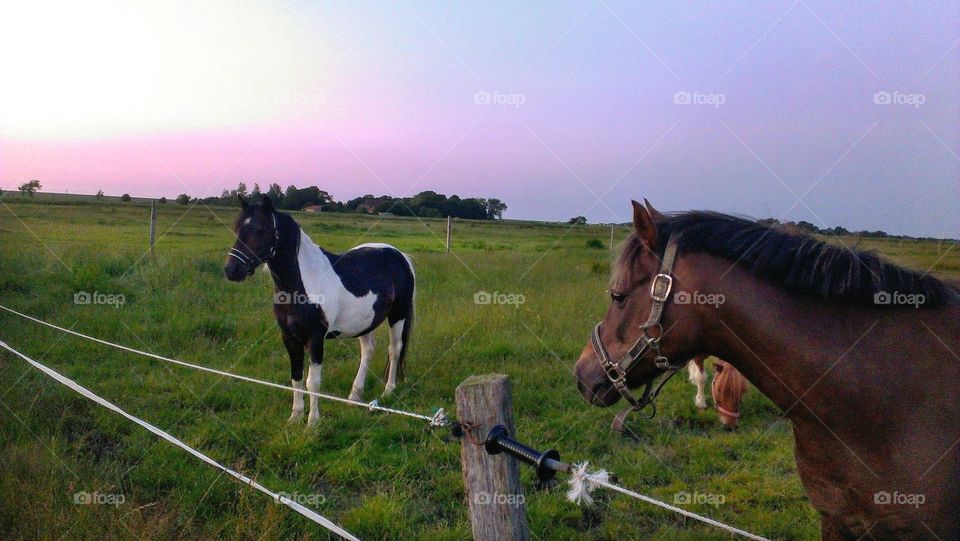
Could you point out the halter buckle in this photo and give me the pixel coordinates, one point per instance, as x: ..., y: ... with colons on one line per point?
x: 614, y: 373
x: 661, y: 286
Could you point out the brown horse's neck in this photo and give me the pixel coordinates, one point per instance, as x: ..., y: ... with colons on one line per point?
x: 781, y: 342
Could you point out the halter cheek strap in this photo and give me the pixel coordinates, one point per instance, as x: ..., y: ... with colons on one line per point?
x: 617, y: 371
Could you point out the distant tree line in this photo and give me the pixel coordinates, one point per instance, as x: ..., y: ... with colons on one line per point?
x: 430, y: 204
x: 810, y: 228
x: 426, y: 204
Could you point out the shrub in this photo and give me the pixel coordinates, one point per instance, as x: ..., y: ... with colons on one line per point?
x: 595, y: 243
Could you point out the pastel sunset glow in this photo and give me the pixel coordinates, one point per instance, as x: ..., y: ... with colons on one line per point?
x: 844, y: 116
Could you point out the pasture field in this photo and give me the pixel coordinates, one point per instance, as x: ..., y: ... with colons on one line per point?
x: 380, y: 476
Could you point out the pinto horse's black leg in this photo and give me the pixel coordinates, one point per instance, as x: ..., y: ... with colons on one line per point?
x: 295, y: 351
x: 313, y: 376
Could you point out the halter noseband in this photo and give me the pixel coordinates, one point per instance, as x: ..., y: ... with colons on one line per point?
x: 617, y: 371
x: 252, y: 262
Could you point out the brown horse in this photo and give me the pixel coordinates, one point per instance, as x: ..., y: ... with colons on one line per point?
x: 727, y: 389
x: 860, y: 354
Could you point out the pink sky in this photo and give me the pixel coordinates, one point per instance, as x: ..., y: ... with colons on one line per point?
x: 560, y: 110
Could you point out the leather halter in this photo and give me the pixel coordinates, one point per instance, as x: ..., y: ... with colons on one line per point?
x: 253, y: 261
x: 617, y: 371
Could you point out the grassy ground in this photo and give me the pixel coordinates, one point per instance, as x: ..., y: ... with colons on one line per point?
x: 382, y: 477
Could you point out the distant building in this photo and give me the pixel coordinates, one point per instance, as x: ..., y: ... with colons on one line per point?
x: 313, y: 208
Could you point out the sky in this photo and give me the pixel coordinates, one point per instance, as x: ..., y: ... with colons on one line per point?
x: 799, y: 110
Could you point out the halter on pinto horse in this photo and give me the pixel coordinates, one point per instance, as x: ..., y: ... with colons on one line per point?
x: 869, y: 385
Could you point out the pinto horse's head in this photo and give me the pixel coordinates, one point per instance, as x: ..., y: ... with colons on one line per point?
x: 631, y: 301
x: 257, y: 239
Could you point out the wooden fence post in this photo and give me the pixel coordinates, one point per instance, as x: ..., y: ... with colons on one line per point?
x: 153, y: 224
x: 449, y: 230
x: 492, y: 482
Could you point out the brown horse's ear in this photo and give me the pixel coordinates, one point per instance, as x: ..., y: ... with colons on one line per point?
x: 654, y: 213
x: 643, y: 225
x: 243, y: 202
x: 267, y: 204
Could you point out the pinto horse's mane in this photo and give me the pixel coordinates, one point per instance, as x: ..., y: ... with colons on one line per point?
x: 792, y: 259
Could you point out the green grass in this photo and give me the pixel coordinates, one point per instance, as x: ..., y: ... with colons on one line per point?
x: 381, y: 477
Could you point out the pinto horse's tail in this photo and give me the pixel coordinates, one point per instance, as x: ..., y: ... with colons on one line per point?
x: 405, y: 336
x: 408, y: 318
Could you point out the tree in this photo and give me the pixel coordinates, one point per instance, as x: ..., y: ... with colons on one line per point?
x: 163, y: 200
x: 808, y: 227
x: 29, y: 188
x: 577, y: 220
x: 275, y: 193
x: 242, y: 190
x: 99, y: 194
x: 290, y: 200
x: 183, y: 199
x: 256, y: 190
x: 125, y: 198
x: 495, y: 208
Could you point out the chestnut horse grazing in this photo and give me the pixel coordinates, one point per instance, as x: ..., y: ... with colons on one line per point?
x: 727, y: 389
x: 860, y: 354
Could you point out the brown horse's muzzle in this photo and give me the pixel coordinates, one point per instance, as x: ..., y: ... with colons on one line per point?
x: 592, y: 382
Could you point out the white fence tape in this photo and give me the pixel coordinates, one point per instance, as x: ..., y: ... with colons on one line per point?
x: 438, y: 419
x: 309, y: 513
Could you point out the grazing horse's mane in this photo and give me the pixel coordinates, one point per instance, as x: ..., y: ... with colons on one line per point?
x: 792, y: 259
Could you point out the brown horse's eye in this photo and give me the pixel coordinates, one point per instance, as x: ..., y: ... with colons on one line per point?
x: 617, y: 297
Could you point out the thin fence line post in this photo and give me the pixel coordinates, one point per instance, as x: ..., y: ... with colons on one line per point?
x: 153, y: 224
x: 612, y: 226
x: 449, y: 231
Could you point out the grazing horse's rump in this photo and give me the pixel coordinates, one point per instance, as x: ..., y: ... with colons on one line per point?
x: 859, y: 354
x: 320, y: 295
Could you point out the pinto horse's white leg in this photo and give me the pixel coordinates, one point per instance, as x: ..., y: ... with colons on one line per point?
x: 396, y: 346
x: 698, y: 377
x: 313, y: 385
x: 313, y: 376
x: 297, y: 412
x: 367, y: 344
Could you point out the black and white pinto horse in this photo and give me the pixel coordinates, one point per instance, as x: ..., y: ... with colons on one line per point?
x: 321, y: 295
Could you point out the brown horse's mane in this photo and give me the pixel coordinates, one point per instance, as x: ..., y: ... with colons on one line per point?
x: 792, y: 259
